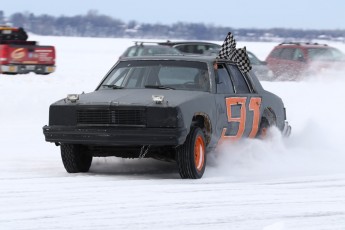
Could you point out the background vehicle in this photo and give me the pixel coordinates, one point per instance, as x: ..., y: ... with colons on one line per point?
x: 206, y: 48
x: 291, y: 60
x: 260, y: 68
x: 141, y: 49
x: 19, y: 56
x: 193, y: 47
x: 163, y: 107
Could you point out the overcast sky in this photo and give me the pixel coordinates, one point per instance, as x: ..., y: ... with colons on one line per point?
x: 315, y: 14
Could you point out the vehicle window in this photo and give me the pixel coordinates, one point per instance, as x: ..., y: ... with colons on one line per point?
x: 337, y: 54
x: 239, y: 82
x: 224, y: 85
x: 214, y: 47
x: 298, y: 55
x: 182, y: 48
x: 187, y: 48
x: 159, y: 50
x: 187, y: 77
x: 325, y: 54
x: 275, y: 53
x: 253, y: 59
x: 287, y: 53
x: 183, y: 75
x: 116, y: 77
x: 132, y: 52
x: 140, y: 51
x: 200, y: 49
x: 135, y: 78
x: 176, y: 75
x: 197, y: 48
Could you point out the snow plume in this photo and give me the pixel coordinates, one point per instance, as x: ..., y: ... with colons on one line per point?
x: 248, y: 157
x: 314, y: 147
x: 305, y: 153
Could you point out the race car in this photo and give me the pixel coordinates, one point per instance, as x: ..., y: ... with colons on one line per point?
x: 174, y: 108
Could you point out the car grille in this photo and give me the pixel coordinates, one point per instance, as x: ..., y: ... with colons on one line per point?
x: 119, y: 117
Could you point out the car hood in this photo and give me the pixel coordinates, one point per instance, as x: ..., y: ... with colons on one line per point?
x: 142, y: 97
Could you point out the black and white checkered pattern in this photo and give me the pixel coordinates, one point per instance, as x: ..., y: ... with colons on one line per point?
x: 242, y: 60
x: 228, y: 47
x: 239, y: 56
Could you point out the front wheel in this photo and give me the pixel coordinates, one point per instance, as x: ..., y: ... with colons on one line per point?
x: 74, y: 159
x: 191, y: 156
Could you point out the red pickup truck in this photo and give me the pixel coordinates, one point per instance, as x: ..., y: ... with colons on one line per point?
x: 19, y: 56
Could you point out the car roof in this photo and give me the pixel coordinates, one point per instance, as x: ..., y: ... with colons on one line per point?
x: 303, y: 44
x: 172, y: 43
x: 150, y: 46
x: 153, y: 46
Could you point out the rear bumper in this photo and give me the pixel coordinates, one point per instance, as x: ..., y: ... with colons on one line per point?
x: 286, y: 130
x: 114, y: 136
x: 23, y: 69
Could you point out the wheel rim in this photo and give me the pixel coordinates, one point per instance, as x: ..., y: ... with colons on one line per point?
x: 199, y: 153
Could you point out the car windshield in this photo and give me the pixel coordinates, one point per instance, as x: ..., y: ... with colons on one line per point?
x: 325, y: 54
x: 159, y: 74
x: 253, y: 59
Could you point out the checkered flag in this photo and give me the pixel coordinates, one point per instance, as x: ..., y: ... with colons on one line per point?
x: 242, y: 60
x: 228, y: 47
x: 239, y: 56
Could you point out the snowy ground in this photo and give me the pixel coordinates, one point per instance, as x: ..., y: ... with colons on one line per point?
x: 275, y: 184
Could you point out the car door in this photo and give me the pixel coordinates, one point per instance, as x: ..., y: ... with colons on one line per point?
x: 237, y: 103
x: 287, y: 65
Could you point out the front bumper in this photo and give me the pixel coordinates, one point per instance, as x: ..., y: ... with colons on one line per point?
x: 115, y: 136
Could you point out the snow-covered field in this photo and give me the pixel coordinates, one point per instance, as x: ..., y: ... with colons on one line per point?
x: 273, y: 184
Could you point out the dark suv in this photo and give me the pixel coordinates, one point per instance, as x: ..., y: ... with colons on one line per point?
x: 193, y: 47
x: 291, y: 60
x: 141, y: 49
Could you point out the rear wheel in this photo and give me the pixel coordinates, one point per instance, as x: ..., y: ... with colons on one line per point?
x: 263, y: 128
x: 191, y: 156
x: 74, y: 159
x: 267, y: 120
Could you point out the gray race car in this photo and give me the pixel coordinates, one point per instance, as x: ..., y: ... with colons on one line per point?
x: 174, y: 108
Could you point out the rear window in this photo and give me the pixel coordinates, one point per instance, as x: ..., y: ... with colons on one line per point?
x: 158, y: 50
x: 325, y: 54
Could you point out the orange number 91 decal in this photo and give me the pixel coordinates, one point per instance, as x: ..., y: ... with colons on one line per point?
x: 254, y: 106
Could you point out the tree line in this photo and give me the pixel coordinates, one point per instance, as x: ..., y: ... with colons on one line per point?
x: 93, y: 24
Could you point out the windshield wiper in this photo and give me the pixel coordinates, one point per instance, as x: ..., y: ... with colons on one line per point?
x: 158, y: 87
x: 113, y: 86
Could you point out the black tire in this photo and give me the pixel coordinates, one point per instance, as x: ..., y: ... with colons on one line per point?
x: 263, y: 127
x: 74, y: 159
x: 191, y: 156
x: 267, y: 120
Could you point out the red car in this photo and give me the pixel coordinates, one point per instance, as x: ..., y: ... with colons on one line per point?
x: 292, y: 60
